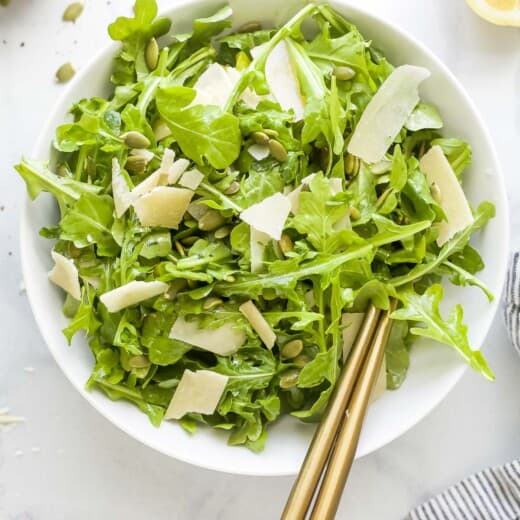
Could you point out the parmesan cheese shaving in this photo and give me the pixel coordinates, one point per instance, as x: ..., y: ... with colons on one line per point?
x: 258, y: 151
x: 438, y: 170
x: 120, y: 190
x: 268, y: 216
x: 386, y: 113
x: 65, y: 275
x: 191, y: 179
x: 259, y: 323
x: 224, y: 340
x: 197, y: 392
x: 163, y: 206
x: 131, y: 293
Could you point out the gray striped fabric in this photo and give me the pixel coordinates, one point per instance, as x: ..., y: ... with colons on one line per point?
x: 492, y: 494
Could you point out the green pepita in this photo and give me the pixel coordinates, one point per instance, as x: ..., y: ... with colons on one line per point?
x: 270, y: 132
x: 180, y: 249
x: 289, y: 378
x: 436, y: 192
x: 135, y: 139
x: 260, y: 137
x: 151, y: 54
x: 233, y: 188
x: 355, y: 214
x: 250, y: 27
x: 65, y: 73
x: 344, y: 73
x: 72, y: 12
x: 292, y: 349
x: 211, y: 303
x: 286, y: 244
x: 351, y: 165
x: 139, y: 362
x: 189, y: 241
x: 222, y: 232
x: 277, y: 150
x: 135, y: 164
x: 211, y: 220
x: 301, y: 360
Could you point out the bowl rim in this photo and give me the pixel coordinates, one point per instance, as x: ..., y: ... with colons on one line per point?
x: 24, y: 230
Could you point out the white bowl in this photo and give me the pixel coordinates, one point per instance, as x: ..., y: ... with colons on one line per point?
x: 434, y: 368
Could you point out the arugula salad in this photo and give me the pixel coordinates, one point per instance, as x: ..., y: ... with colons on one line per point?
x: 230, y: 211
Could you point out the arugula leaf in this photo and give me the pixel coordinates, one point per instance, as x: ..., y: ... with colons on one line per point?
x: 450, y: 331
x: 457, y: 151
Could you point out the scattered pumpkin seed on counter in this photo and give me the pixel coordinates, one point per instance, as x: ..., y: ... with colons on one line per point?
x: 72, y: 12
x: 65, y: 73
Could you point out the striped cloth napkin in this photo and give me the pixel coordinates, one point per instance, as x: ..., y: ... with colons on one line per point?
x: 492, y: 494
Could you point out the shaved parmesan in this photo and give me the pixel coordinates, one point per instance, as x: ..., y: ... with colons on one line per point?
x: 258, y: 151
x: 224, y: 340
x: 386, y: 113
x: 249, y: 96
x: 351, y: 323
x: 177, y: 169
x: 157, y: 178
x: 161, y: 130
x: 65, y: 275
x: 197, y: 392
x: 438, y: 170
x: 213, y: 86
x: 11, y: 419
x: 131, y: 293
x: 282, y: 80
x: 258, y: 241
x: 191, y: 179
x: 268, y: 216
x: 120, y: 190
x: 259, y: 323
x: 294, y: 195
x: 163, y: 206
x: 167, y: 159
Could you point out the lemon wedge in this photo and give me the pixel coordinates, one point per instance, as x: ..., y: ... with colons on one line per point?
x: 499, y: 12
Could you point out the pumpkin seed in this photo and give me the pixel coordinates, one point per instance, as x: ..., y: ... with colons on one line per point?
x: 211, y: 220
x: 139, y: 362
x: 189, y: 241
x: 63, y: 170
x: 211, y: 303
x: 135, y: 164
x: 277, y: 150
x: 151, y: 53
x: 351, y: 165
x: 289, y: 378
x: 344, y: 73
x: 233, y: 188
x: 260, y: 138
x: 436, y: 192
x: 292, y: 349
x: 222, y: 232
x: 190, y: 223
x: 270, y: 132
x: 381, y: 199
x: 180, y: 249
x: 72, y: 12
x: 285, y: 243
x: 65, y: 73
x: 135, y: 139
x: 301, y: 360
x: 355, y: 214
x: 250, y: 27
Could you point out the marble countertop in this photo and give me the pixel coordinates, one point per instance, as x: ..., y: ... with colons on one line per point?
x: 68, y: 462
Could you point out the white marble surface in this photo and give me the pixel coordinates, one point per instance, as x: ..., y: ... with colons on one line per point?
x: 75, y: 464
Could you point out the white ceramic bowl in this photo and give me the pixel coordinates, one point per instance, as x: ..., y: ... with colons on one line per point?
x: 434, y: 369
